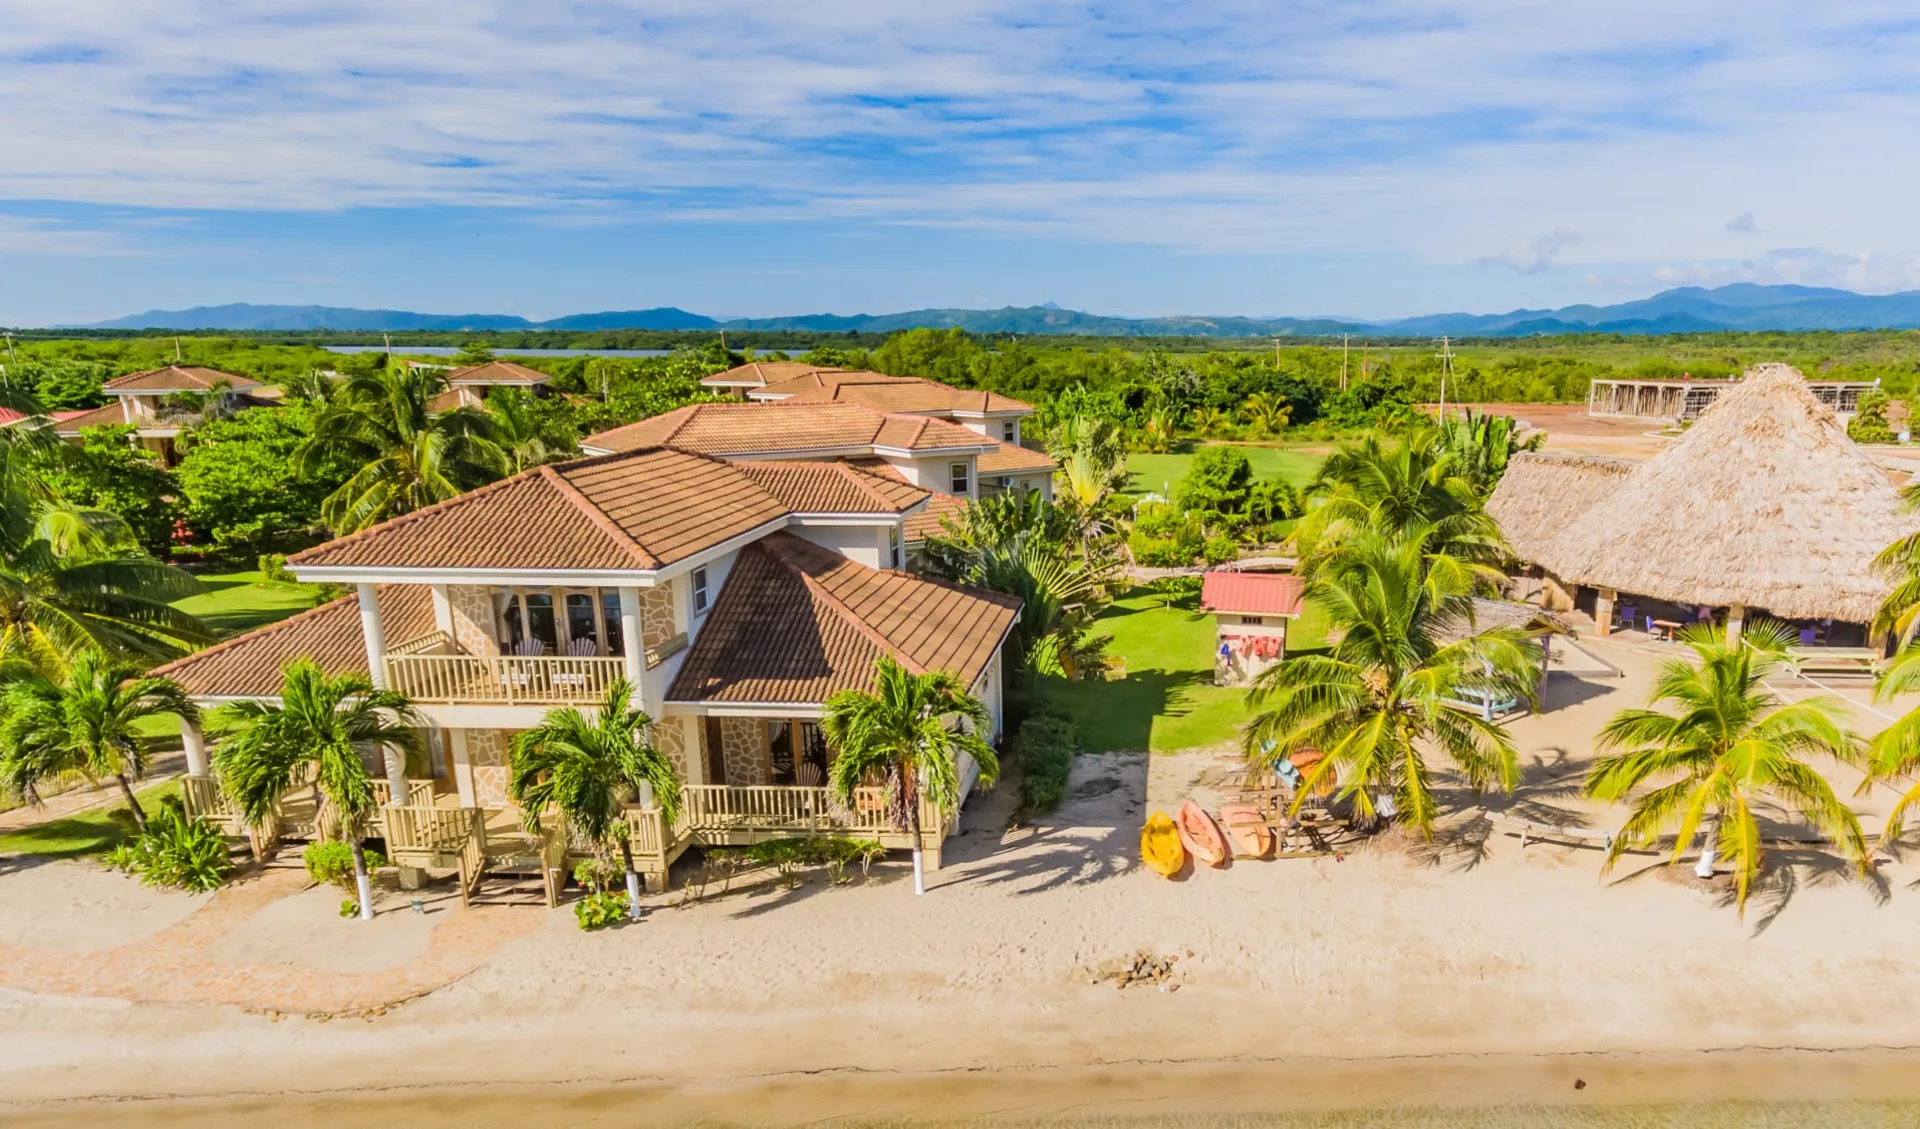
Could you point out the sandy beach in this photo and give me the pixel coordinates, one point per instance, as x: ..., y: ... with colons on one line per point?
x: 1467, y: 950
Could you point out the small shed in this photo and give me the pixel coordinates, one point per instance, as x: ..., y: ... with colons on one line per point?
x: 1250, y: 612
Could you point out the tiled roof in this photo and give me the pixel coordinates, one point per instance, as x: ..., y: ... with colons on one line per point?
x: 638, y: 510
x: 745, y: 429
x: 497, y: 372
x: 931, y: 520
x: 249, y: 666
x: 70, y: 423
x: 813, y: 380
x: 834, y: 487
x: 1011, y: 458
x: 758, y: 373
x: 796, y: 622
x: 8, y: 415
x: 178, y: 378
x: 1254, y: 593
x: 892, y: 394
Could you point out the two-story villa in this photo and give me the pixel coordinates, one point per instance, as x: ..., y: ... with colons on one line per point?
x: 141, y: 402
x: 735, y: 594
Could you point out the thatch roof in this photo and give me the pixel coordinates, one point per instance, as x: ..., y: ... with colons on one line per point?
x: 1764, y: 502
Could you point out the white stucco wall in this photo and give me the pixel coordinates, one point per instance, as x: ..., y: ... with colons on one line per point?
x: 862, y: 544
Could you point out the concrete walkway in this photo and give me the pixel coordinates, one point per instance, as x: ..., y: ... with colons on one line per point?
x: 163, y: 767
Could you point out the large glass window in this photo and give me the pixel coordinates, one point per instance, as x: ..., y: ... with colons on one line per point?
x: 780, y: 750
x: 537, y: 624
x: 610, y: 613
x: 580, y: 621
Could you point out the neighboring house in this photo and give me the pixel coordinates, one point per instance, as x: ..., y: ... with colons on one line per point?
x: 741, y: 379
x: 154, y: 403
x: 470, y: 386
x: 735, y: 596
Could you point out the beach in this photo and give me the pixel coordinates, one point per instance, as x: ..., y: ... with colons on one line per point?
x: 1518, y: 969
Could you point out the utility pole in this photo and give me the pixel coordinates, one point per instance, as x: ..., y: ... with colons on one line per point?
x: 1364, y: 372
x: 1446, y: 370
x: 176, y: 350
x: 1276, y: 352
x: 1343, y: 362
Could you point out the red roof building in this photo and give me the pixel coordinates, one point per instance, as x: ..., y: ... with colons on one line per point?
x: 1252, y: 593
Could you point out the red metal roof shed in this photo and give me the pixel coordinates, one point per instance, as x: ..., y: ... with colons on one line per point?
x: 1252, y: 593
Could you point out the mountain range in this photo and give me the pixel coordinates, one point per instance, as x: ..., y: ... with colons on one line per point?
x: 1687, y: 309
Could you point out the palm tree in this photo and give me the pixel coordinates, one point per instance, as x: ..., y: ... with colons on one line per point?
x: 1379, y: 699
x: 524, y: 437
x: 1267, y: 412
x: 84, y: 723
x: 1209, y: 422
x: 911, y: 730
x: 323, y: 721
x: 409, y: 455
x: 1722, y: 746
x: 58, y: 600
x: 1413, y: 483
x: 1483, y: 445
x: 586, y: 768
x: 1900, y: 561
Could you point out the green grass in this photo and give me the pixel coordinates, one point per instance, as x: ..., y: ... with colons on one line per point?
x: 1157, y: 473
x: 236, y: 602
x: 89, y: 833
x: 1168, y: 700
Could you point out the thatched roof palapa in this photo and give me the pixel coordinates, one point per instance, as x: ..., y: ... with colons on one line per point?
x: 1764, y: 502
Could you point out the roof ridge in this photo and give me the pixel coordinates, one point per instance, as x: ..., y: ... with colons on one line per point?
x: 256, y: 633
x: 648, y: 559
x: 414, y: 516
x: 839, y: 606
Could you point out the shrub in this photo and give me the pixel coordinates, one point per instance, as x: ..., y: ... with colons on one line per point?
x: 1045, y: 745
x: 176, y: 852
x: 1164, y: 538
x: 332, y: 861
x: 605, y: 901
x: 786, y: 856
x: 1220, y: 549
x: 598, y: 911
x: 273, y: 569
x: 1869, y: 423
x: 1174, y: 589
x: 836, y: 852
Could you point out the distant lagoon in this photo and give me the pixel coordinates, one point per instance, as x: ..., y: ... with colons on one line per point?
x: 449, y: 351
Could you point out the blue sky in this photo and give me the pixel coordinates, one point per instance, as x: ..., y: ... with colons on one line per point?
x: 746, y: 158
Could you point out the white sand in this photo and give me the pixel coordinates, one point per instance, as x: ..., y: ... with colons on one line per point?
x: 81, y: 907
x: 1466, y: 946
x: 305, y: 930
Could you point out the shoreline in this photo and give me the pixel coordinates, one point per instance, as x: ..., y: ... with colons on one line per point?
x: 1121, y: 1090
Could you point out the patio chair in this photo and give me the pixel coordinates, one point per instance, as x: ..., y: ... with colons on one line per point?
x: 809, y: 775
x: 582, y: 648
x: 1629, y: 615
x: 529, y: 647
x: 1809, y: 636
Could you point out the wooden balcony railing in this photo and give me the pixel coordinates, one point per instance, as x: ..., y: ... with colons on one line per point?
x: 503, y: 679
x: 783, y: 809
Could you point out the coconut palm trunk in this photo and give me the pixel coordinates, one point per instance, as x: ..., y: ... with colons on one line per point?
x: 362, y: 881
x: 133, y: 805
x: 633, y: 880
x: 1709, y: 840
x: 912, y: 801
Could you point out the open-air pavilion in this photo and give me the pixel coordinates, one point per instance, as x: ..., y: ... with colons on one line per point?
x: 1764, y: 506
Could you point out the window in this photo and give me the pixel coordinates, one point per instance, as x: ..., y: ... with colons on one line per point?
x: 580, y: 620
x: 610, y: 613
x: 1010, y: 431
x: 893, y: 546
x: 529, y: 616
x: 1252, y: 621
x: 961, y: 478
x: 701, y: 597
x: 780, y: 751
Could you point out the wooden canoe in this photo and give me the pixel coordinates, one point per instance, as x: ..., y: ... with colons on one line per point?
x: 1160, y: 845
x: 1201, y: 835
x: 1247, y: 830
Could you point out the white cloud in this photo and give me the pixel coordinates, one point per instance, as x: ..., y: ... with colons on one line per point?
x: 1419, y: 127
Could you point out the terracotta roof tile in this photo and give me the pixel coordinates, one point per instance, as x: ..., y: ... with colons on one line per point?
x: 797, y: 622
x: 1011, y: 458
x: 891, y: 394
x: 927, y: 522
x: 178, y: 378
x: 638, y: 510
x: 497, y: 372
x: 833, y: 487
x: 759, y: 373
x: 70, y: 423
x: 747, y: 429
x: 249, y: 666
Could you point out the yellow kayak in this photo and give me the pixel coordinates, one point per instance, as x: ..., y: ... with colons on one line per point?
x: 1160, y: 846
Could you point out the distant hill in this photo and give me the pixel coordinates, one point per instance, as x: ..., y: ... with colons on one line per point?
x: 240, y: 315
x: 1686, y: 309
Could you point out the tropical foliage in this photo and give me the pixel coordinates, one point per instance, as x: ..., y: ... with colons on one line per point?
x: 587, y: 769
x: 1482, y: 445
x: 84, y: 722
x: 1724, y: 743
x: 175, y: 852
x: 320, y: 724
x: 912, y: 732
x: 1408, y: 485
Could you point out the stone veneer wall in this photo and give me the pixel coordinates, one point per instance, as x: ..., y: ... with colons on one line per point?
x: 670, y: 734
x: 472, y: 620
x: 487, y: 753
x: 743, y: 745
x: 656, y: 615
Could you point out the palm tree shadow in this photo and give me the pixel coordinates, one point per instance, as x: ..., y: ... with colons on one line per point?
x: 1790, y: 868
x: 1051, y: 857
x: 1459, y: 847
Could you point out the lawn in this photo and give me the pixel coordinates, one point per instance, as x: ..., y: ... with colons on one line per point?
x: 1158, y: 473
x: 233, y: 602
x: 88, y: 833
x: 1168, y: 700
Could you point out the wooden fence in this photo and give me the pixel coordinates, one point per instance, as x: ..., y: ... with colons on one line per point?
x: 505, y: 679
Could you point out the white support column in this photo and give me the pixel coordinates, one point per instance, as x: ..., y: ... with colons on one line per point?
x: 442, y: 609
x: 462, y: 767
x: 376, y: 639
x: 632, y: 645
x: 693, y: 729
x: 195, y: 743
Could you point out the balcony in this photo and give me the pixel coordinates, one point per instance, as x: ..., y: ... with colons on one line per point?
x: 535, y: 680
